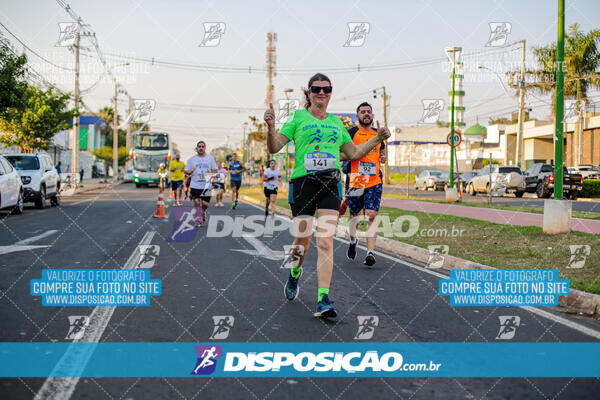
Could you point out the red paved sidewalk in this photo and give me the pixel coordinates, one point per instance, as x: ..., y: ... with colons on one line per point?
x: 489, y: 214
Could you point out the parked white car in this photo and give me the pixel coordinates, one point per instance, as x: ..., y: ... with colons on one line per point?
x: 586, y: 170
x: 39, y: 177
x: 128, y: 176
x: 504, y: 178
x: 11, y: 188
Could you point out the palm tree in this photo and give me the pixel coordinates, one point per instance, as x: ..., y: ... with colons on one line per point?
x: 581, y: 65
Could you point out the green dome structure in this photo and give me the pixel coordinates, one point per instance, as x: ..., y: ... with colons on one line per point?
x: 476, y: 130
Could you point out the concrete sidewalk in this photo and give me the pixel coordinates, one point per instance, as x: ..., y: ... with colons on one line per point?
x: 86, y: 186
x: 489, y: 214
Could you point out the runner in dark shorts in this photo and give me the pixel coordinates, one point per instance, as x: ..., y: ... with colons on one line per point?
x: 315, y: 186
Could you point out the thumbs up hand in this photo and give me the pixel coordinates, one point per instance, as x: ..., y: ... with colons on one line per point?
x: 270, y: 116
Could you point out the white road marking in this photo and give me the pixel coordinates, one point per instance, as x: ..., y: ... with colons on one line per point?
x: 75, y: 359
x: 261, y: 250
x: 542, y: 313
x: 24, y: 245
x: 36, y: 237
x: 13, y: 248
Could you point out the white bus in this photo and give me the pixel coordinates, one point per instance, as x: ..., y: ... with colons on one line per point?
x: 150, y: 149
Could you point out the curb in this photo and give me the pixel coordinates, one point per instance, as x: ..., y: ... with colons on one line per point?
x: 577, y: 300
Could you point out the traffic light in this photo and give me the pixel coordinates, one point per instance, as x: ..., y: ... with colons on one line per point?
x: 374, y: 93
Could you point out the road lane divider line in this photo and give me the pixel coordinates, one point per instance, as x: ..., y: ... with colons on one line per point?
x: 65, y: 374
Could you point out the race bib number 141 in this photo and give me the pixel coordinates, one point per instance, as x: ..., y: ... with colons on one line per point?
x: 318, y: 161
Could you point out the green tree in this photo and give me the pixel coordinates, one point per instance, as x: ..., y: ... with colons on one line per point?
x: 582, y: 63
x: 12, y: 79
x: 106, y: 154
x: 33, y: 128
x: 219, y: 153
x: 107, y: 114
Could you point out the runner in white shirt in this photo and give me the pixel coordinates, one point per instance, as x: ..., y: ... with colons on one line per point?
x: 219, y: 184
x: 271, y: 179
x: 201, y: 167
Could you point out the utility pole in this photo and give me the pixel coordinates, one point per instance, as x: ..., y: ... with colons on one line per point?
x: 288, y: 93
x: 75, y: 138
x: 559, y: 123
x: 129, y: 124
x: 115, y: 138
x: 245, y: 124
x: 385, y: 104
x: 519, y: 159
x: 271, y: 61
x: 386, y: 166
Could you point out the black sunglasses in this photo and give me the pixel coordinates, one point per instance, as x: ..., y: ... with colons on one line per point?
x: 317, y: 89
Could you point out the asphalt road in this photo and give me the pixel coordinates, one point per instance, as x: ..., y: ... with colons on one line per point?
x: 235, y: 276
x: 528, y: 199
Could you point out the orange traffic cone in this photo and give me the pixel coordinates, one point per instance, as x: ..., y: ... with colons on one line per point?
x: 160, y: 206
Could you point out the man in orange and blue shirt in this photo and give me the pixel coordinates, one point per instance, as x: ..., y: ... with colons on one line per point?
x: 365, y: 186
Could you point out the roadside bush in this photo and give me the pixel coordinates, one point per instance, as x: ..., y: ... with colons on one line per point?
x: 591, y: 188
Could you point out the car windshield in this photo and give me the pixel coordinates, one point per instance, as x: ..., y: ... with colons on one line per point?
x: 547, y: 168
x: 436, y: 173
x: 24, y: 162
x: 145, y: 163
x: 507, y: 170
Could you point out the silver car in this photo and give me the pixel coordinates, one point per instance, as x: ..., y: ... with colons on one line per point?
x: 429, y: 178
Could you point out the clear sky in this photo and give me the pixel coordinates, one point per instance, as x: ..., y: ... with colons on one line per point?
x: 310, y: 34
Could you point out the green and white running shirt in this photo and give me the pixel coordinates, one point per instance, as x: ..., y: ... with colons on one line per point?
x: 318, y: 142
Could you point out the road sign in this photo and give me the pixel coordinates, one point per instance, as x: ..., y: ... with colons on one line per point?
x: 457, y: 139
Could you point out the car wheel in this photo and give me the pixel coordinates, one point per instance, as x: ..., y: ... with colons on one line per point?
x: 519, y: 194
x: 40, y: 202
x: 471, y: 190
x: 487, y: 188
x: 137, y: 185
x: 540, y: 191
x: 573, y: 195
x: 18, y: 208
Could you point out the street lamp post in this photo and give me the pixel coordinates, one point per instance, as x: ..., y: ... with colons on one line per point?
x: 452, y: 57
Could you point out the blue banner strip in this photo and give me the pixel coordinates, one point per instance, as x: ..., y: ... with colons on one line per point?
x: 300, y: 359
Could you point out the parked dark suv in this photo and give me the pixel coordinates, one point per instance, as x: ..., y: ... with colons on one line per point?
x: 539, y: 179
